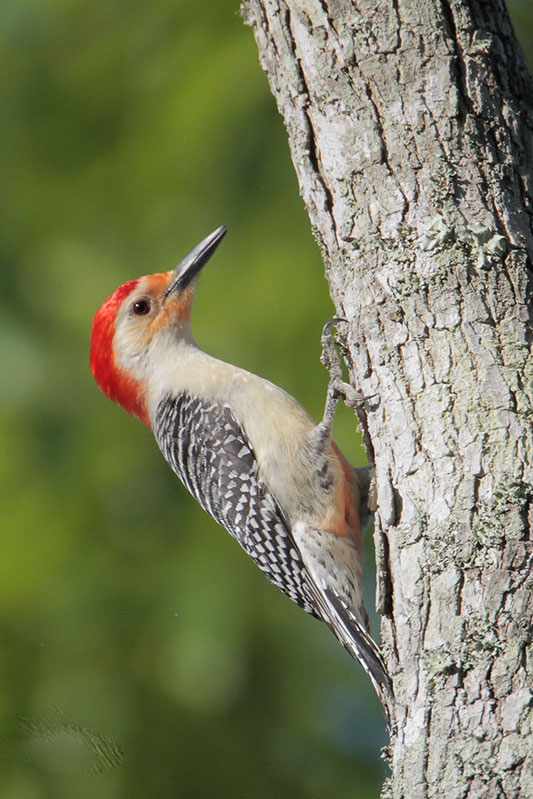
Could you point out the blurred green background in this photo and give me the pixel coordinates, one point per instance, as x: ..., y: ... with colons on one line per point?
x: 128, y: 619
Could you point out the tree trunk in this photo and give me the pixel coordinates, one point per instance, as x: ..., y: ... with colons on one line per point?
x: 410, y: 127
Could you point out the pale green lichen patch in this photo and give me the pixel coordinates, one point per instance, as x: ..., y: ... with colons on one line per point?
x: 439, y: 662
x: 482, y: 243
x: 438, y: 232
x: 407, y: 261
x: 501, y: 518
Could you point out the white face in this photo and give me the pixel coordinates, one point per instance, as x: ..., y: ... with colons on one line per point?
x: 145, y: 319
x: 133, y: 334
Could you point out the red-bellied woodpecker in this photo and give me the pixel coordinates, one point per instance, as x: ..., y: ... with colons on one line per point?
x: 245, y: 449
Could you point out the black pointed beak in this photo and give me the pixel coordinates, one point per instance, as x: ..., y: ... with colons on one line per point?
x: 189, y: 267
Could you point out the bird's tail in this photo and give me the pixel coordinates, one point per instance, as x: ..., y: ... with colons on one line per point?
x: 356, y: 639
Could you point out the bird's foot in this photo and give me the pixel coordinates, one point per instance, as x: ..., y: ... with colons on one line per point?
x: 337, y: 387
x: 330, y: 356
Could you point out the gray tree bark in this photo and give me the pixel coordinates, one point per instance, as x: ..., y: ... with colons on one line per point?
x: 410, y: 128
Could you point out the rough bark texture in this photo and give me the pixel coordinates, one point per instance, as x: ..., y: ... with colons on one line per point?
x: 410, y: 127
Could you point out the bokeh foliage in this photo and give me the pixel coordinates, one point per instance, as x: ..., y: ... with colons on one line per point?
x: 129, y: 130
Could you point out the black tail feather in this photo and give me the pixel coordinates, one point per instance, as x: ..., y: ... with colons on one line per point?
x: 356, y: 639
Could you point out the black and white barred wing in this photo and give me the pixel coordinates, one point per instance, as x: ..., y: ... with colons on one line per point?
x: 208, y: 450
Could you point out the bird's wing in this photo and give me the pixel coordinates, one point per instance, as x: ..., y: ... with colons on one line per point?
x: 208, y: 450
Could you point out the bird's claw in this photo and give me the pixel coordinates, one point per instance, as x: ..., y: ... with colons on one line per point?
x: 332, y: 322
x: 330, y: 357
x: 350, y: 395
x: 331, y: 360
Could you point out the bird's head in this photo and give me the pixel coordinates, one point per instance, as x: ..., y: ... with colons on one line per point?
x: 136, y: 318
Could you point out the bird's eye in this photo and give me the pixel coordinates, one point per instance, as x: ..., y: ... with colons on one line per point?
x: 141, y: 307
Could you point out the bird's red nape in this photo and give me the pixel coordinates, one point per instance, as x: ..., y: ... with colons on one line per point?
x: 113, y: 381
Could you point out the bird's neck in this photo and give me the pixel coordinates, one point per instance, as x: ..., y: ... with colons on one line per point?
x: 180, y: 367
